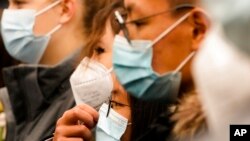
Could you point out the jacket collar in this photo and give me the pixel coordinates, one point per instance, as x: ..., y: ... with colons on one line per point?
x: 33, y: 87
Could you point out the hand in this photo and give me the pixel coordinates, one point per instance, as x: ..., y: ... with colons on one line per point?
x: 68, y: 127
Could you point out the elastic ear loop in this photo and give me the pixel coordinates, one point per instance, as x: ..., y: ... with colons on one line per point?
x: 171, y: 28
x: 46, y: 9
x: 183, y: 63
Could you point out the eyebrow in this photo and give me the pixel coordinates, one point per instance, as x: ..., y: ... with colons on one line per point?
x: 129, y: 9
x: 119, y: 103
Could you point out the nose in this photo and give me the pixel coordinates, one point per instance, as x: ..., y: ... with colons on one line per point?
x: 118, y: 88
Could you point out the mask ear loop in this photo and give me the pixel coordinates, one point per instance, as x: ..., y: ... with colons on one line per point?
x: 54, y: 30
x: 110, y: 70
x: 47, y: 8
x: 183, y: 63
x: 171, y: 28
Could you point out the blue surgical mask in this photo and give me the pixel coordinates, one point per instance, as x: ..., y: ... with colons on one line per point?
x: 132, y: 65
x: 18, y: 37
x: 111, y: 127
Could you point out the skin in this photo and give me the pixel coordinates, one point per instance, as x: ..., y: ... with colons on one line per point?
x: 169, y: 52
x: 69, y: 14
x: 67, y: 127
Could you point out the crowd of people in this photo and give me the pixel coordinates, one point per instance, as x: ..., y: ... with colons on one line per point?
x: 123, y: 70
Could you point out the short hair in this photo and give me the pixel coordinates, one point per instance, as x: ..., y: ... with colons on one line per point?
x: 174, y: 3
x: 177, y: 3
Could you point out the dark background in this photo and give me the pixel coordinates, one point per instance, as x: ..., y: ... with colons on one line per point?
x: 3, y: 3
x: 5, y: 59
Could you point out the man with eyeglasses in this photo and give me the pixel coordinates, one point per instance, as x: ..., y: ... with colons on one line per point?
x: 154, y: 52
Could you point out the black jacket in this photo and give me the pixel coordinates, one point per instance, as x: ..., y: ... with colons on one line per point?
x: 39, y: 95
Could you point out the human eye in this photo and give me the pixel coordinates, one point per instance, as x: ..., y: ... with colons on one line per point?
x: 138, y: 23
x: 18, y: 3
x: 117, y: 104
x: 99, y: 50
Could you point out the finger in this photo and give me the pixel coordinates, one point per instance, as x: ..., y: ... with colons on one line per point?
x: 90, y: 110
x: 76, y: 131
x: 72, y: 117
x: 67, y: 139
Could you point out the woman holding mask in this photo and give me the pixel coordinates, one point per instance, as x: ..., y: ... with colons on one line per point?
x: 50, y: 33
x: 123, y: 118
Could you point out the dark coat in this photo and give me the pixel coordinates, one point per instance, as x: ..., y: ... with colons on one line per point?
x: 39, y: 95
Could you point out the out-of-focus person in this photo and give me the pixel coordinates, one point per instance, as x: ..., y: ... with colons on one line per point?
x: 222, y: 67
x: 47, y: 36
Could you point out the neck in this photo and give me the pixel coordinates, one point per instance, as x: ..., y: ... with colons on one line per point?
x: 59, y: 48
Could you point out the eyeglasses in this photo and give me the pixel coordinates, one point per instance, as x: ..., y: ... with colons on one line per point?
x: 113, y: 104
x: 122, y: 19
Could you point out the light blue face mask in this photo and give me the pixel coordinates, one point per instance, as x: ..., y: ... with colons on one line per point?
x: 18, y: 37
x: 110, y: 128
x: 132, y: 66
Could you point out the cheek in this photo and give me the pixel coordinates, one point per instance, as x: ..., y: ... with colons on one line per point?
x: 126, y: 136
x: 52, y: 19
x: 171, y: 51
x: 127, y: 114
x: 106, y: 59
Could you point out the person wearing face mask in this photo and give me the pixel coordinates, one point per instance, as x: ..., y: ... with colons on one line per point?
x: 153, y: 55
x: 224, y: 81
x: 124, y: 117
x: 46, y: 35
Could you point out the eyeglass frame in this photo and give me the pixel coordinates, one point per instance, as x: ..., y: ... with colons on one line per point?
x: 124, y: 28
x: 109, y: 105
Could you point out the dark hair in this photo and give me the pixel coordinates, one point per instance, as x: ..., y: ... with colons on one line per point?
x: 150, y: 120
x: 174, y: 3
x: 181, y: 5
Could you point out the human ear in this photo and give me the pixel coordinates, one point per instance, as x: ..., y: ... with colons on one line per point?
x: 68, y: 10
x: 200, y: 24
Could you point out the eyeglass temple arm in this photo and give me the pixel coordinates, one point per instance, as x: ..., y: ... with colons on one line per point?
x: 122, y: 24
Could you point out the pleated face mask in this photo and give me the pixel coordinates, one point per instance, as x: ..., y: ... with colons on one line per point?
x: 18, y: 37
x: 111, y: 127
x: 91, y: 83
x: 133, y: 66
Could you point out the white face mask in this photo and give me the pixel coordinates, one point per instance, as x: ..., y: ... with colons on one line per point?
x: 91, y: 83
x: 18, y: 37
x: 110, y: 128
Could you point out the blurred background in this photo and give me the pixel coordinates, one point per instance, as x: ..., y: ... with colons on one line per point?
x: 3, y: 3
